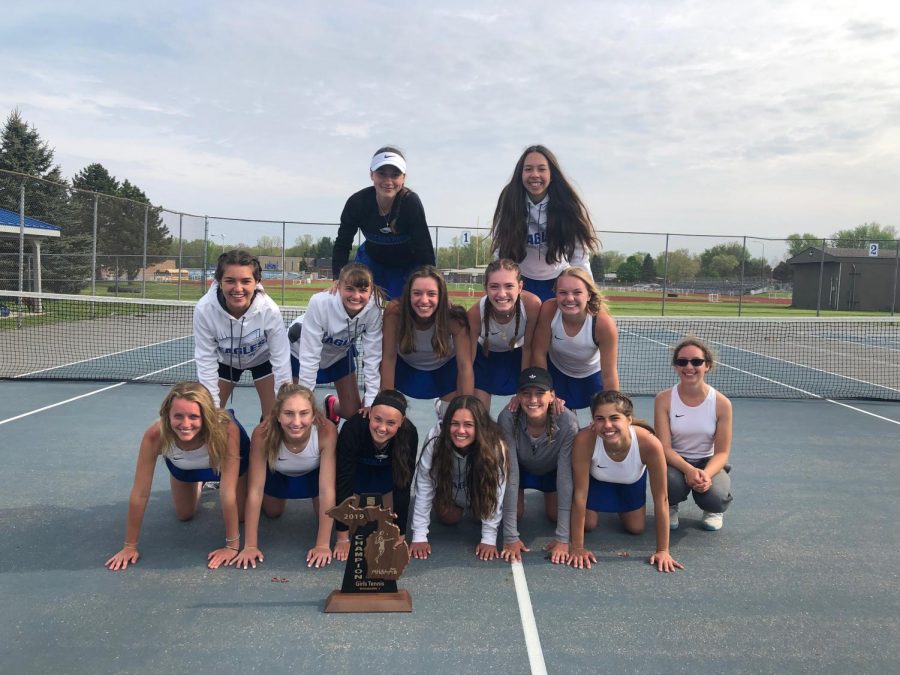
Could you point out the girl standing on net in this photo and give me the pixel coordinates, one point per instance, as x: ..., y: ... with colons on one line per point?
x: 377, y: 454
x: 392, y: 220
x: 693, y: 421
x: 199, y: 442
x: 292, y: 457
x: 463, y: 468
x: 323, y: 341
x: 540, y: 448
x: 610, y: 462
x: 426, y: 347
x: 501, y: 326
x: 576, y: 340
x: 238, y: 327
x: 541, y: 223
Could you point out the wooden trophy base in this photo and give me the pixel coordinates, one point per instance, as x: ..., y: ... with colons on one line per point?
x: 368, y: 602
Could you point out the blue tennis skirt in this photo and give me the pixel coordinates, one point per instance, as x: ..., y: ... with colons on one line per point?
x: 543, y: 288
x: 340, y: 368
x: 202, y: 475
x: 425, y: 383
x: 390, y: 279
x: 575, y: 391
x: 532, y: 481
x: 617, y: 497
x: 292, y: 487
x: 498, y: 373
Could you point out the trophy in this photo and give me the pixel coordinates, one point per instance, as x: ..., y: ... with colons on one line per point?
x: 377, y: 559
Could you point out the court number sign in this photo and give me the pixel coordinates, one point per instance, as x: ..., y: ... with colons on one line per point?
x: 873, y: 250
x: 466, y: 237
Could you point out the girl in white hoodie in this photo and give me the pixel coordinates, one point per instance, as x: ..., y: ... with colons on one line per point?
x: 238, y: 327
x: 325, y: 349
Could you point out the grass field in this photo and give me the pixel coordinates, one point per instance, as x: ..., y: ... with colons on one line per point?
x: 621, y: 302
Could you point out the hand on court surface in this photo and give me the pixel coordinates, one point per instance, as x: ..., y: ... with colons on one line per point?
x: 220, y: 556
x: 559, y: 552
x: 665, y: 562
x: 121, y: 559
x: 581, y: 558
x: 248, y: 556
x: 318, y: 556
x: 486, y: 551
x: 341, y: 550
x: 513, y: 552
x: 420, y: 550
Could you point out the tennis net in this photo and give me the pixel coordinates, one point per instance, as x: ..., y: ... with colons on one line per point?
x: 66, y: 337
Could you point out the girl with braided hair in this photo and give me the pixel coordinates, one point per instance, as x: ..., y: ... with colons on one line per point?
x: 540, y: 443
x: 501, y: 326
x: 464, y: 467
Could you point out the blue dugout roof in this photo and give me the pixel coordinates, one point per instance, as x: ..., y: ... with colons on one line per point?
x: 8, y: 217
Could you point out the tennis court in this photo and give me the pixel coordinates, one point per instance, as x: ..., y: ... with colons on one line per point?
x: 800, y: 579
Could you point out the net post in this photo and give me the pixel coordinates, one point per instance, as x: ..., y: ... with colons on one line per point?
x: 144, y: 259
x: 94, y: 252
x: 821, y: 277
x: 283, y: 259
x: 665, y: 286
x: 437, y: 233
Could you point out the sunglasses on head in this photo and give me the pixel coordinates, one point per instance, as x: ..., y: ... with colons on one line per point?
x: 694, y: 362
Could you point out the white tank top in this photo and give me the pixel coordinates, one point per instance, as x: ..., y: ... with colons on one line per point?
x: 423, y: 356
x: 501, y: 333
x: 299, y: 463
x: 626, y: 472
x: 575, y: 356
x: 188, y: 460
x: 693, y: 427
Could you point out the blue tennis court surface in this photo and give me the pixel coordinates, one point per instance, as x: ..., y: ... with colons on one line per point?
x: 801, y: 578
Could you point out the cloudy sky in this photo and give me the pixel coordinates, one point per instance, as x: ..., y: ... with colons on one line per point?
x: 725, y: 118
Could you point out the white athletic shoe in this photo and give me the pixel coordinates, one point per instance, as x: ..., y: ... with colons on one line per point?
x: 712, y: 521
x: 673, y: 517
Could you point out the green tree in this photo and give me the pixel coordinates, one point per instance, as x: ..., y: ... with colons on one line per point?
x: 733, y: 253
x: 648, y: 269
x: 268, y: 245
x: 611, y: 261
x: 861, y: 235
x: 783, y: 272
x: 323, y: 248
x: 597, y: 268
x: 801, y: 242
x: 46, y: 198
x: 629, y: 271
x: 682, y: 265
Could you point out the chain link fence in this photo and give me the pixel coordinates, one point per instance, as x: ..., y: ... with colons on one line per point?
x: 54, y: 238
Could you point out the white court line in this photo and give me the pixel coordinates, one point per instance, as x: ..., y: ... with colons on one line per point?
x: 529, y: 627
x: 95, y: 358
x: 782, y: 384
x: 90, y: 393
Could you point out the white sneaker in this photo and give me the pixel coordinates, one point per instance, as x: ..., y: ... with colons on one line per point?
x: 673, y: 517
x: 712, y: 521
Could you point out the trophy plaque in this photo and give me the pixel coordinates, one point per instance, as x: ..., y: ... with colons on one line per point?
x: 377, y: 559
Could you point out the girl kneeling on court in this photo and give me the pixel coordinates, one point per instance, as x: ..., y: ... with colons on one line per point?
x: 377, y: 454
x: 610, y: 462
x: 238, y: 327
x: 426, y: 349
x: 323, y: 341
x: 501, y: 326
x: 463, y: 467
x: 693, y: 422
x: 540, y: 443
x: 576, y: 340
x: 292, y: 457
x: 199, y: 442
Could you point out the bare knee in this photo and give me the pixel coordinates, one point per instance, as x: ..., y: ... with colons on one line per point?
x: 450, y: 516
x: 273, y: 508
x: 591, y: 518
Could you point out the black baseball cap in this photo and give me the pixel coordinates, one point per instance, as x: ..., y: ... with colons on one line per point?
x: 535, y: 377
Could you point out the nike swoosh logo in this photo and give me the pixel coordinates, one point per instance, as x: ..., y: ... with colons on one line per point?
x: 677, y: 415
x: 556, y: 337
